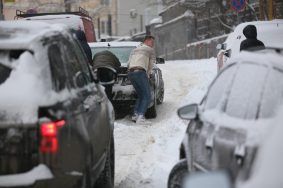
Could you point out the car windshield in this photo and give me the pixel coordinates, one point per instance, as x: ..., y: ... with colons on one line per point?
x: 259, y: 89
x: 122, y: 53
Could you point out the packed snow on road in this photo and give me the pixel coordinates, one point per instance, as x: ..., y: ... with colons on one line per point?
x: 146, y: 154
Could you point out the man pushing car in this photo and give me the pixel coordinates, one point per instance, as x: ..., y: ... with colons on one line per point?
x: 140, y: 65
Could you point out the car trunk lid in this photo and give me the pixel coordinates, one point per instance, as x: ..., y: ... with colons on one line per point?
x: 18, y: 148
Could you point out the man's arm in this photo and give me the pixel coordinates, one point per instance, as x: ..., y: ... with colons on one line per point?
x: 152, y: 60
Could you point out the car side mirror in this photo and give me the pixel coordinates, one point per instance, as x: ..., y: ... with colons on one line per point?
x: 219, y: 47
x: 160, y: 60
x: 213, y: 179
x: 227, y: 53
x: 188, y: 112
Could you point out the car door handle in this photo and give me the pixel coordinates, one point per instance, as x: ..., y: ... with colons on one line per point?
x: 209, y: 144
x: 86, y: 107
x: 99, y: 99
x: 239, y: 153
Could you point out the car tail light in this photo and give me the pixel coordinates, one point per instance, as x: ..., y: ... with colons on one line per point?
x: 49, y: 140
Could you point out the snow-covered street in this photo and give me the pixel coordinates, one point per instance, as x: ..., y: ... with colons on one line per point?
x: 145, y: 155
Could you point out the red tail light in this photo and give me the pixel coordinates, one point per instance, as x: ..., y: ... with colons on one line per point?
x: 49, y: 140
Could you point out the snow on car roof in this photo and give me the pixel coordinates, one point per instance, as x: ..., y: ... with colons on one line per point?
x: 28, y: 86
x: 258, y: 23
x: 19, y: 34
x: 263, y: 57
x: 71, y: 21
x: 269, y: 32
x: 113, y: 44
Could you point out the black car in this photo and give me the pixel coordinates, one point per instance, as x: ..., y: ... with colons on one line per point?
x: 123, y: 92
x: 56, y: 123
x: 226, y: 128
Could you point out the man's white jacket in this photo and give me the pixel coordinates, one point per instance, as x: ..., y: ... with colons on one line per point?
x: 143, y: 56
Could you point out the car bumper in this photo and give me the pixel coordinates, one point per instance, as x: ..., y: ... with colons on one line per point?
x: 40, y: 176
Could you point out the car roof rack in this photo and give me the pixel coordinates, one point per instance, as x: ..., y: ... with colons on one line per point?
x: 22, y: 14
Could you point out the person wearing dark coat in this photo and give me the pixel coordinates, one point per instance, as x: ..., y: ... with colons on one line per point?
x: 82, y: 39
x: 106, y: 65
x: 251, y: 43
x: 105, y: 58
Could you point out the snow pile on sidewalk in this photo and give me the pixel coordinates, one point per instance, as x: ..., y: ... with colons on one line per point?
x: 145, y: 155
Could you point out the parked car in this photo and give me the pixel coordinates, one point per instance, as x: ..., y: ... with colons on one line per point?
x: 225, y: 129
x: 124, y: 94
x: 266, y: 171
x: 269, y: 32
x: 56, y: 123
x: 79, y: 20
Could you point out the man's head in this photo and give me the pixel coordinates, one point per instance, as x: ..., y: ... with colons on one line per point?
x: 149, y: 40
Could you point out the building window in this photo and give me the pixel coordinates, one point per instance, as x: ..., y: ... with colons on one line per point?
x: 102, y: 27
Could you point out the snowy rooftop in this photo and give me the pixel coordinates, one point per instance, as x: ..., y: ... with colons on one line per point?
x: 188, y: 13
x: 157, y: 20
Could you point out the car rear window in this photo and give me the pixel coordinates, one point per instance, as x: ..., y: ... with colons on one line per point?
x: 4, y: 73
x: 7, y: 57
x: 122, y: 53
x: 247, y: 91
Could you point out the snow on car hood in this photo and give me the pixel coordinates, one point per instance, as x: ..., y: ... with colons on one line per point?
x: 255, y: 129
x: 24, y: 91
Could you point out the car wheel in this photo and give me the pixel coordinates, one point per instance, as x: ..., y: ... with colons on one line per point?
x: 177, y: 174
x: 161, y: 96
x: 106, y: 178
x: 151, y: 112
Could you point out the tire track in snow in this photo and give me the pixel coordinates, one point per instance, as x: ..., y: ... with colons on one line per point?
x: 145, y: 155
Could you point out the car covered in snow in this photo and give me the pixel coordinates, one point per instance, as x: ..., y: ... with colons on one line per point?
x: 56, y: 123
x: 226, y: 128
x: 266, y: 171
x: 123, y: 92
x: 269, y: 32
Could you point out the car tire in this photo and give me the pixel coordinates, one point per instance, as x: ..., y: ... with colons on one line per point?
x: 151, y: 112
x: 160, y: 97
x: 106, y: 178
x: 177, y: 174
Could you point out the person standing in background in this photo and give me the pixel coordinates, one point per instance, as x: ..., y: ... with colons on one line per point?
x: 251, y: 43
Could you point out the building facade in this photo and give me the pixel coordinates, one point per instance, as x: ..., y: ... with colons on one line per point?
x: 134, y: 15
x: 188, y: 25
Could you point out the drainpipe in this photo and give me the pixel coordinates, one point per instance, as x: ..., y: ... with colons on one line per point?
x: 1, y: 10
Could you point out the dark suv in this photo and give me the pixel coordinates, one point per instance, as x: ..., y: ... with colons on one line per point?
x: 56, y: 123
